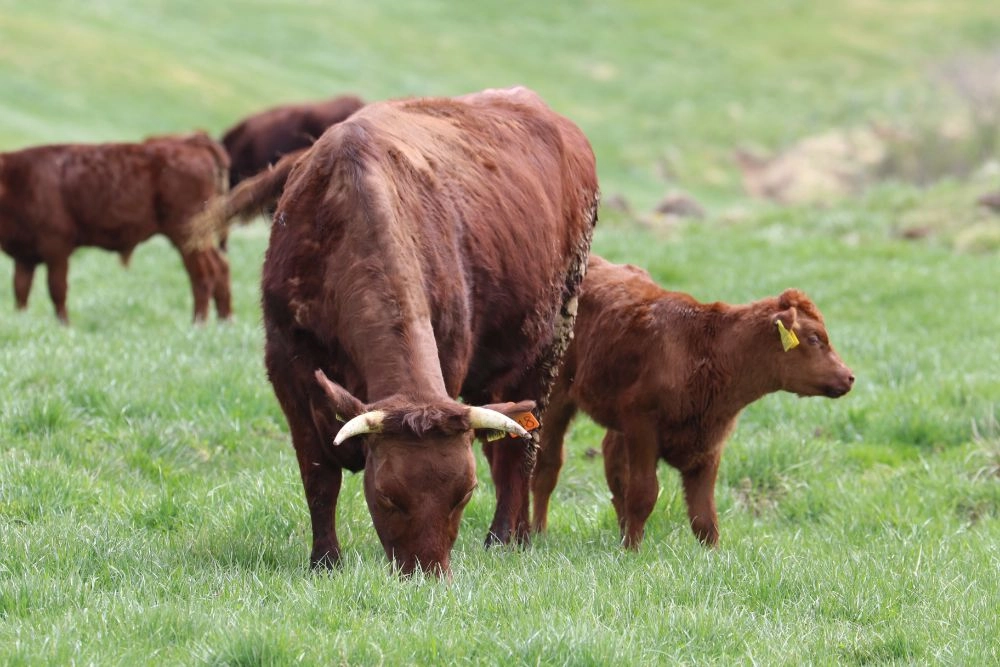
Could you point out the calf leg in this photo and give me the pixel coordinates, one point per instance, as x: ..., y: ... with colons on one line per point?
x: 551, y: 456
x: 220, y: 292
x: 58, y: 269
x: 616, y: 472
x: 699, y: 493
x: 24, y: 273
x: 199, y: 270
x: 642, y: 487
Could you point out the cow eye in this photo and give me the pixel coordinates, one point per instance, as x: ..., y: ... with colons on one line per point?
x: 386, y: 503
x: 814, y: 340
x: 466, y: 498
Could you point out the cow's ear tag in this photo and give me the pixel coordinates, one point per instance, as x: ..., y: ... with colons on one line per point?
x: 527, y: 421
x: 788, y: 338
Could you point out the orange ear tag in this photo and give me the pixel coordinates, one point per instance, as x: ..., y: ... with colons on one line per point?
x: 527, y: 421
x: 788, y: 338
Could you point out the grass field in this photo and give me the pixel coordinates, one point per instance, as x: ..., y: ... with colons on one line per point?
x: 150, y: 506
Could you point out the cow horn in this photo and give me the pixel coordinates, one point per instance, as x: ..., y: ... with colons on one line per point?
x: 367, y: 422
x: 495, y: 421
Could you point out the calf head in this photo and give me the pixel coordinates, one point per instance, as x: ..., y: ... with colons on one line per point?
x: 807, y: 363
x: 419, y: 468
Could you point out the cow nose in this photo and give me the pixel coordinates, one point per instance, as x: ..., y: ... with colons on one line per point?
x: 850, y: 379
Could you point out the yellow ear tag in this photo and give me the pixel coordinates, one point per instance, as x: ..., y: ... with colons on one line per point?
x: 788, y: 338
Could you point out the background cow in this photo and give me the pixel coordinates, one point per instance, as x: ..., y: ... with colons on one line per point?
x: 54, y: 199
x: 423, y: 249
x: 668, y: 377
x: 263, y: 138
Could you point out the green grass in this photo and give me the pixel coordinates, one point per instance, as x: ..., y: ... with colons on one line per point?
x: 150, y: 505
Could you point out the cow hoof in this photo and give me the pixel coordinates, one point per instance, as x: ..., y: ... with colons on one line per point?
x: 494, y: 539
x: 325, y: 563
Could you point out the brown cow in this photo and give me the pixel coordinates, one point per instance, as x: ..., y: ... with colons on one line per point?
x: 421, y: 250
x: 668, y: 377
x: 54, y: 199
x: 263, y: 138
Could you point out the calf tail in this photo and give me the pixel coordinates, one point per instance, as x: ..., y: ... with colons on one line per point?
x: 243, y: 203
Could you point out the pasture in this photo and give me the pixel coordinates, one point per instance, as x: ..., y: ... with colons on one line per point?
x: 151, y: 510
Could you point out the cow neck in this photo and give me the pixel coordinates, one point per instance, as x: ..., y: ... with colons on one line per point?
x: 735, y: 346
x: 394, y: 342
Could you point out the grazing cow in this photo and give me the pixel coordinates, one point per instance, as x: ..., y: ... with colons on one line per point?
x: 668, y: 377
x: 421, y: 250
x: 54, y: 199
x: 263, y: 138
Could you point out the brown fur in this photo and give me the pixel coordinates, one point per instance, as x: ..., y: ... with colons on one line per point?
x: 54, y: 199
x: 423, y: 249
x: 668, y: 377
x: 265, y: 137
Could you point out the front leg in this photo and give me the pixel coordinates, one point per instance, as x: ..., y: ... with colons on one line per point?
x: 699, y: 493
x: 511, y: 461
x: 321, y: 476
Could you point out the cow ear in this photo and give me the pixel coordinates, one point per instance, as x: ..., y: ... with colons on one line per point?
x: 520, y: 412
x: 345, y: 406
x: 785, y: 323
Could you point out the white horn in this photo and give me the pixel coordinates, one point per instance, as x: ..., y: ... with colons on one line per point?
x: 367, y: 422
x: 495, y: 421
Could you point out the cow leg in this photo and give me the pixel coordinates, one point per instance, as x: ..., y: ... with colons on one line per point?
x: 24, y: 273
x: 510, y: 462
x: 220, y: 291
x: 615, y: 458
x: 699, y: 493
x: 321, y: 478
x: 642, y: 487
x: 58, y: 269
x: 551, y: 456
x: 199, y: 271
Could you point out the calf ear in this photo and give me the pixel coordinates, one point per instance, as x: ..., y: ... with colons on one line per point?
x: 345, y: 406
x: 784, y: 321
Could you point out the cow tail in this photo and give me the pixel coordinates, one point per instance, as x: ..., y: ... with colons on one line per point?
x: 243, y: 203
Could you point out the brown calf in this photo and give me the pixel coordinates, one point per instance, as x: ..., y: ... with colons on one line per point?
x: 54, y: 199
x: 264, y: 137
x: 668, y: 377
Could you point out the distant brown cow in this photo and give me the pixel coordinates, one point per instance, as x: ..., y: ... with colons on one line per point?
x: 263, y: 138
x: 668, y: 377
x: 421, y: 250
x: 54, y: 199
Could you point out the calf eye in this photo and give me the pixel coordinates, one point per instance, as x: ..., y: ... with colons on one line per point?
x: 814, y: 340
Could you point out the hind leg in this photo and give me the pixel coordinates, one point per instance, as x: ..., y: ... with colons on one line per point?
x: 24, y: 273
x: 58, y: 270
x: 199, y: 269
x: 220, y: 290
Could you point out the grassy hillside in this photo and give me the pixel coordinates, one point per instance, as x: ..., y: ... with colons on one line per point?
x: 150, y: 505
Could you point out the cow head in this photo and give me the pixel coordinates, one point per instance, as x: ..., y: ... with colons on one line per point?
x: 419, y: 468
x: 808, y: 364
